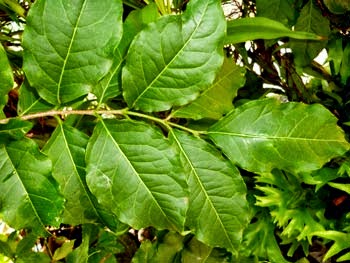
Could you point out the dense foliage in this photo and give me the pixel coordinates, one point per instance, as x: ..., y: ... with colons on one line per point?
x: 168, y: 131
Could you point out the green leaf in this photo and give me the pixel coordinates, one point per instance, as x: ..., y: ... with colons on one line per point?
x: 63, y: 250
x: 280, y: 10
x: 259, y: 240
x: 28, y: 194
x: 14, y: 129
x: 109, y: 86
x: 175, y: 58
x: 81, y: 254
x: 217, y: 212
x: 30, y: 102
x: 197, y: 252
x: 164, y: 250
x: 345, y: 65
x: 338, y: 6
x: 6, y: 76
x: 66, y: 149
x: 266, y: 134
x: 219, y: 96
x: 244, y: 29
x: 133, y: 171
x: 341, y: 242
x: 310, y: 20
x: 68, y: 46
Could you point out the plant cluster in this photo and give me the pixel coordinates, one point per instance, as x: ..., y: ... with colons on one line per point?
x: 168, y: 131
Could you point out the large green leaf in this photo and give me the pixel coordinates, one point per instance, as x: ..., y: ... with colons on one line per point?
x: 310, y: 20
x: 28, y: 195
x: 66, y: 149
x: 133, y: 171
x: 217, y: 212
x: 216, y: 100
x: 175, y: 58
x: 266, y: 134
x: 68, y: 46
x: 110, y: 85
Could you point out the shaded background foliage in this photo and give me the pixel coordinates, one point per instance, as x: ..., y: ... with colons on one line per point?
x: 196, y: 165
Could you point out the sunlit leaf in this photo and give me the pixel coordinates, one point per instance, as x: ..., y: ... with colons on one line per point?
x: 217, y: 99
x: 28, y: 195
x: 217, y: 211
x: 266, y: 134
x: 6, y: 76
x: 68, y: 46
x: 175, y: 58
x: 133, y: 171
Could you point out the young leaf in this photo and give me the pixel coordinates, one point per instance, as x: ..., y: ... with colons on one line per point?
x: 66, y: 149
x: 217, y: 211
x: 216, y: 100
x: 133, y: 171
x: 29, y: 101
x: 175, y: 58
x: 244, y: 29
x: 28, y: 195
x: 67, y: 46
x: 310, y: 20
x: 266, y: 134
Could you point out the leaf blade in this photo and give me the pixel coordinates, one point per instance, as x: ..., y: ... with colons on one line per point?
x: 181, y: 46
x: 265, y: 134
x: 29, y: 198
x: 130, y: 167
x: 219, y: 95
x: 218, y: 208
x: 69, y: 60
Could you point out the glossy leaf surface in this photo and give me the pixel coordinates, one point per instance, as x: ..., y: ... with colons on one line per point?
x: 14, y: 129
x: 66, y: 149
x: 217, y: 212
x: 217, y: 99
x: 175, y: 58
x: 68, y: 46
x: 265, y: 134
x: 28, y: 195
x: 133, y: 171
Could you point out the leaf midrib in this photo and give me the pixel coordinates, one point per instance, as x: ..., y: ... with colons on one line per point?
x: 68, y: 52
x: 267, y: 137
x: 134, y: 171
x: 172, y: 60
